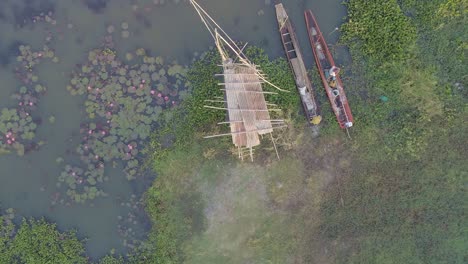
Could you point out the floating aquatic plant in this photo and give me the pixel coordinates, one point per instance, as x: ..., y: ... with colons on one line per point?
x: 17, y: 127
x: 16, y: 131
x: 8, y: 229
x: 123, y: 103
x: 128, y: 224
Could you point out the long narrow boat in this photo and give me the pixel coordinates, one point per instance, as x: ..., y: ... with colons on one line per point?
x: 294, y: 55
x: 328, y: 72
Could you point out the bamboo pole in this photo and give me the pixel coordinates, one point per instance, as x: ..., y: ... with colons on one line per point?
x: 228, y: 74
x: 274, y: 145
x: 231, y: 83
x: 242, y: 132
x: 240, y: 121
x: 262, y: 92
x: 230, y: 122
x: 215, y: 101
x: 237, y: 109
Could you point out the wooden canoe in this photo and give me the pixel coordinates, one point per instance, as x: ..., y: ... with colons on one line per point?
x: 294, y: 55
x: 325, y: 63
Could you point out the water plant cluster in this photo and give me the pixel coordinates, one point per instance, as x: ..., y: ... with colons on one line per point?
x: 7, y: 218
x: 37, y: 241
x: 17, y: 125
x: 48, y: 17
x: 123, y: 103
x: 129, y: 225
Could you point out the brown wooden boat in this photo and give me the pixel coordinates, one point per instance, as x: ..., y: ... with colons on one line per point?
x: 328, y: 72
x: 294, y: 55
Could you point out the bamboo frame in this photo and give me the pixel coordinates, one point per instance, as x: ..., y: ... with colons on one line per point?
x: 241, y: 132
x: 248, y: 113
x: 238, y: 109
x: 253, y: 92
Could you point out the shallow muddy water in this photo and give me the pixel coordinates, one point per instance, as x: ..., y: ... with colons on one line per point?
x: 170, y: 29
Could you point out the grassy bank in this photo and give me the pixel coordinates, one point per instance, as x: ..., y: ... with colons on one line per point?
x: 403, y: 199
x: 392, y: 194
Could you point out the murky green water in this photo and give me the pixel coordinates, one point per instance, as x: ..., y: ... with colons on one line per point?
x: 171, y: 30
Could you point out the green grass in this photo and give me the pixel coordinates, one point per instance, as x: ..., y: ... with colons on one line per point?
x: 402, y: 200
x: 229, y: 216
x: 393, y: 194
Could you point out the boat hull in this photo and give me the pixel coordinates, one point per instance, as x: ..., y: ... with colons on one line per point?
x: 325, y: 62
x: 296, y: 62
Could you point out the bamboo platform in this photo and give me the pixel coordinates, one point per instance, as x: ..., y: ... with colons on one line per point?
x: 247, y: 112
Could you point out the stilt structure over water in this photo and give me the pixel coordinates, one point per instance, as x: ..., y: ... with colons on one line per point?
x: 248, y: 115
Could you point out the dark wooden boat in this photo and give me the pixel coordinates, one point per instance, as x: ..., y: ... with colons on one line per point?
x: 294, y: 55
x: 326, y: 67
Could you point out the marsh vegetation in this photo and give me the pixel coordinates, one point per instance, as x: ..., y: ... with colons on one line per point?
x: 393, y: 193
